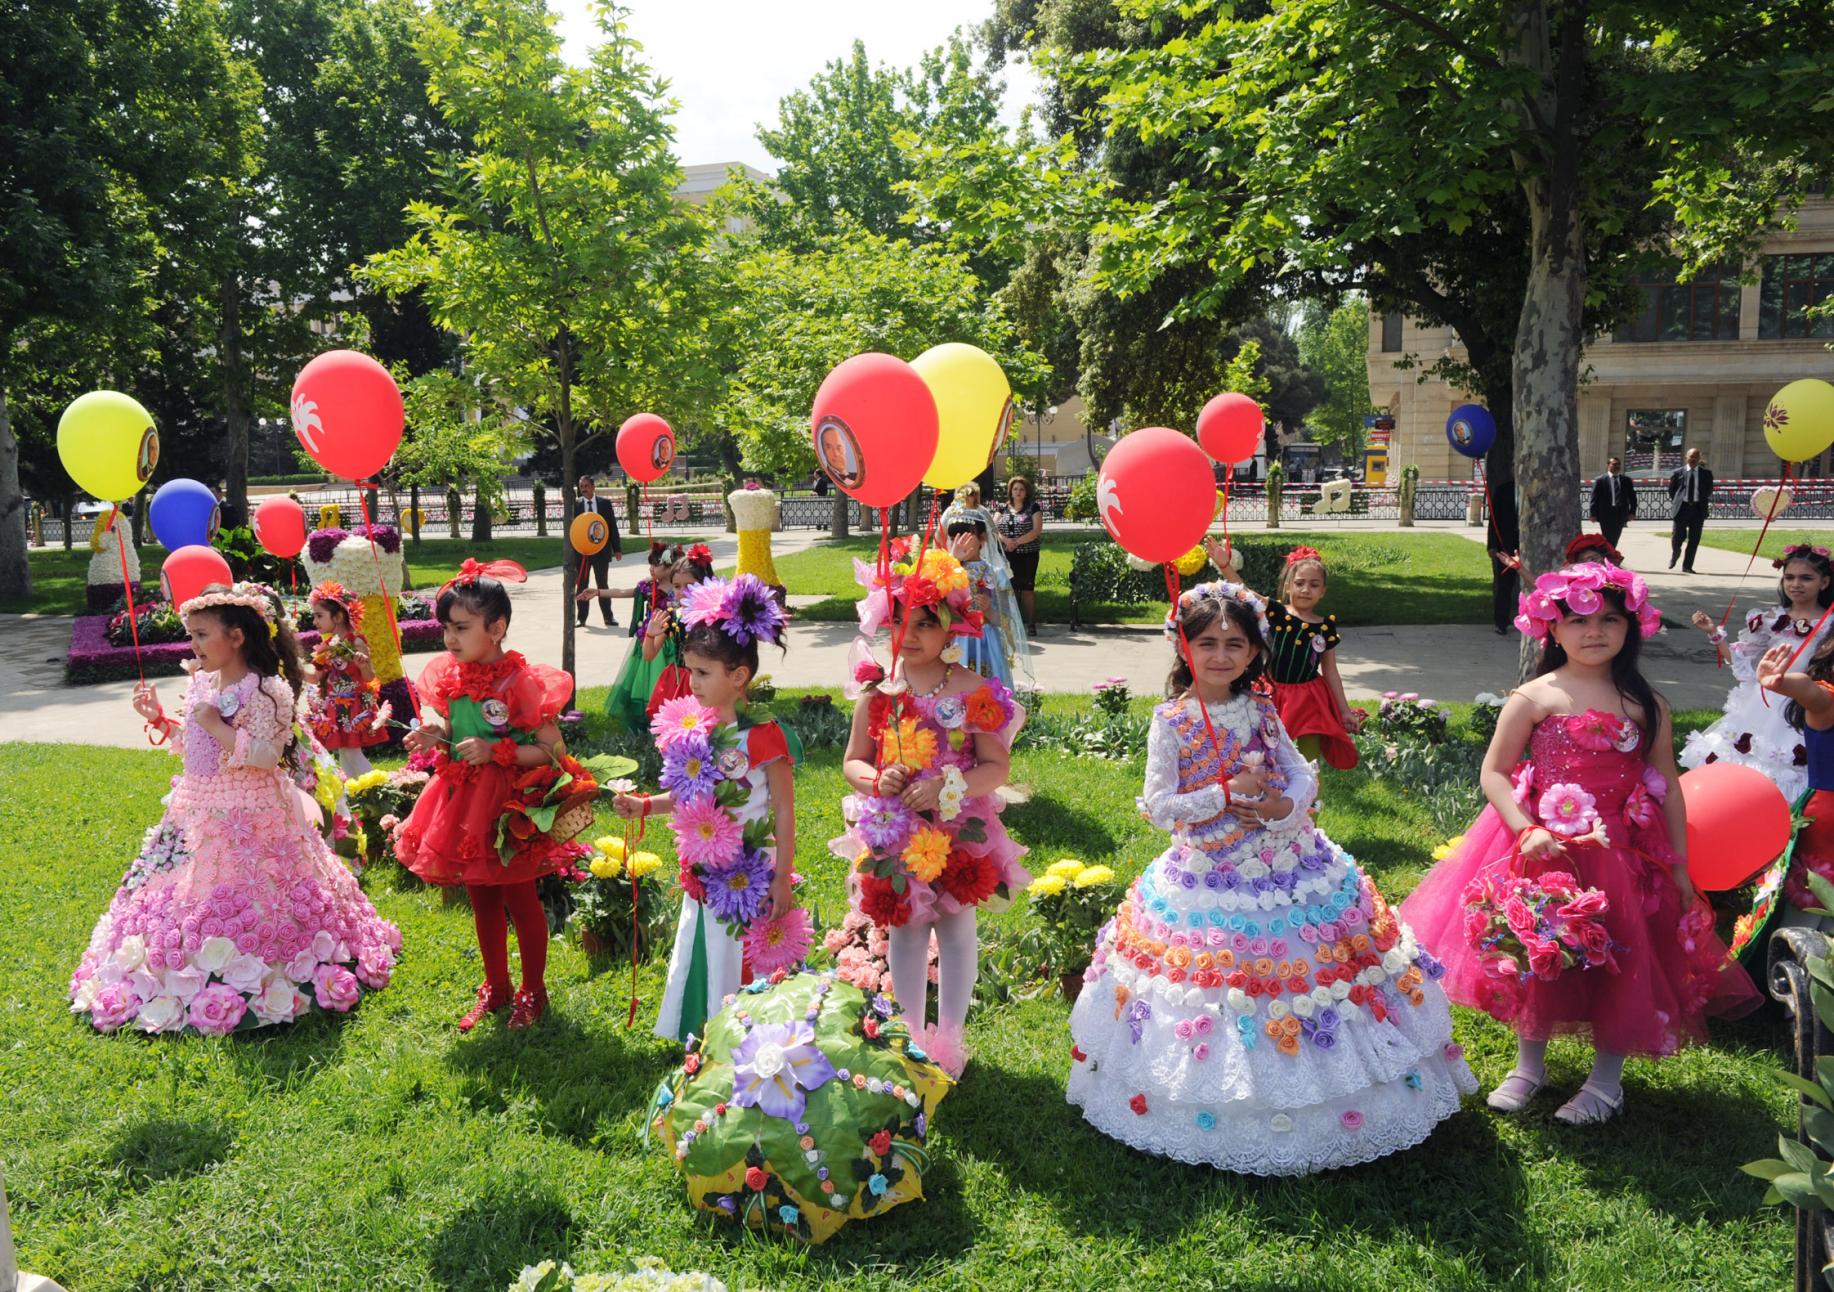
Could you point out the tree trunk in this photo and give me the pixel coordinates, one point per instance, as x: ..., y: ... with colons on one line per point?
x: 480, y: 517
x: 837, y: 524
x: 15, y: 570
x: 236, y: 415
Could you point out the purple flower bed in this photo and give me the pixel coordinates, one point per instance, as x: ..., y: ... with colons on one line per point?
x: 94, y: 659
x: 323, y: 542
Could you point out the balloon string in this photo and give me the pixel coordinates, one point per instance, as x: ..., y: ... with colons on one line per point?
x: 133, y: 616
x: 1228, y: 478
x: 1776, y: 505
x: 630, y: 845
x: 1184, y: 645
x: 388, y: 600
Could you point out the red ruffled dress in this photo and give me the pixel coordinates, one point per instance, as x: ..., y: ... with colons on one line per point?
x: 1295, y: 666
x: 450, y: 837
x: 1666, y: 980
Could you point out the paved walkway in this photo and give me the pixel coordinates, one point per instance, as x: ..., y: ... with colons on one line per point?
x: 1447, y: 662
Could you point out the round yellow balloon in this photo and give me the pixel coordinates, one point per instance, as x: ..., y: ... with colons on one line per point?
x: 108, y: 444
x: 589, y: 533
x: 974, y: 407
x: 1799, y: 420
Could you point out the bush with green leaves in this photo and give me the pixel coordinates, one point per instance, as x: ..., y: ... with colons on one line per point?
x: 1111, y: 731
x: 1081, y: 503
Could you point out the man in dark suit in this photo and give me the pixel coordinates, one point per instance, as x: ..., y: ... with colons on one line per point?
x: 598, y: 565
x: 1503, y: 540
x: 1689, y: 488
x: 1614, y: 501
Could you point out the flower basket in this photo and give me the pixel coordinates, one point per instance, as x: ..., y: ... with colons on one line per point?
x: 574, y: 816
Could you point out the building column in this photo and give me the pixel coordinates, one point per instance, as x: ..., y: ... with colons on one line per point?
x: 1595, y: 434
x: 1726, y: 445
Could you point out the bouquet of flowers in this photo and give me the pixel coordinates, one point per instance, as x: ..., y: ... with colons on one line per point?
x: 555, y: 799
x: 1537, y: 928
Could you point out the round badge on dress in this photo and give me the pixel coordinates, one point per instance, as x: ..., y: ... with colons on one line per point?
x: 733, y: 763
x: 496, y: 713
x: 229, y: 704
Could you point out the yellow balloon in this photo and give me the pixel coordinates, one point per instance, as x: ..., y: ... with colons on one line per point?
x: 108, y: 444
x: 588, y: 533
x: 1799, y: 420
x: 974, y: 407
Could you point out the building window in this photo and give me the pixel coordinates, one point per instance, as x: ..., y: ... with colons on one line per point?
x: 1791, y: 285
x: 1653, y: 437
x: 1705, y: 309
x: 1391, y: 334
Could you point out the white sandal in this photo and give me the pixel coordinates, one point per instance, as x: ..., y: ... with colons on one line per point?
x: 1597, y: 1108
x: 1513, y: 1099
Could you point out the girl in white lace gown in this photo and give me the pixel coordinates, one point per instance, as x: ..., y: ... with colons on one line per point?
x: 1254, y: 1004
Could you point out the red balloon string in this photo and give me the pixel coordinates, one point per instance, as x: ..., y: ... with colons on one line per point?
x: 388, y: 600
x: 1228, y: 479
x: 630, y: 846
x: 133, y: 616
x: 1184, y: 646
x: 1490, y: 510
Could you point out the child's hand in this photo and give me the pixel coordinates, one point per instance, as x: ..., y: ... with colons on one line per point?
x: 1699, y: 620
x: 782, y: 899
x: 1218, y: 552
x: 420, y: 738
x: 1261, y: 811
x: 1249, y: 783
x: 922, y: 796
x: 1540, y: 845
x: 474, y: 750
x: 892, y: 779
x: 146, y: 702
x: 1686, y: 887
x: 359, y: 648
x: 628, y: 806
x: 1354, y: 720
x: 1774, y: 667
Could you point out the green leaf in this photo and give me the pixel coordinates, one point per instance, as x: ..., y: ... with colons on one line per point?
x: 1819, y: 885
x: 1819, y: 1124
x: 1799, y: 1155
x: 1798, y: 1190
x: 1768, y: 1168
x: 1807, y: 1089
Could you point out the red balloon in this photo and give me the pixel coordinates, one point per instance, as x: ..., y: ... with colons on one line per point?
x: 347, y: 413
x: 1156, y: 494
x: 874, y: 428
x: 646, y: 447
x: 1738, y: 823
x: 280, y: 527
x: 190, y: 570
x: 1230, y: 428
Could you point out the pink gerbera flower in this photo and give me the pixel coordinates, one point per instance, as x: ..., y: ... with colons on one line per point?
x: 1567, y: 809
x: 781, y: 943
x: 705, y: 834
x: 681, y: 718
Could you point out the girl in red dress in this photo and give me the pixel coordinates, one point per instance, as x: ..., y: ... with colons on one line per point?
x: 1302, y: 664
x: 496, y: 715
x: 344, y: 706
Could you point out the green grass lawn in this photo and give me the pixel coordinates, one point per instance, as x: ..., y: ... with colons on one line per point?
x: 1378, y: 578
x: 386, y: 1151
x: 1740, y: 540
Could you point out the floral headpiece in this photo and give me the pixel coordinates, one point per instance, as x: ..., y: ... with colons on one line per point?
x: 937, y: 581
x: 471, y: 571
x: 1593, y: 543
x: 1800, y: 552
x: 744, y: 608
x: 701, y: 554
x: 1299, y: 554
x: 1219, y: 591
x: 257, y: 597
x: 1577, y: 590
x: 333, y: 593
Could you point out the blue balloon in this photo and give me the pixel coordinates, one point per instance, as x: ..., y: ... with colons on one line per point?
x: 184, y: 514
x: 1471, y: 430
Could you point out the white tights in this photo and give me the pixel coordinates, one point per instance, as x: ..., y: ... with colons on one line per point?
x: 353, y: 761
x: 958, y: 961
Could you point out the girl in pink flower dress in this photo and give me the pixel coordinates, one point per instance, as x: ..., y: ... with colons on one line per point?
x: 235, y: 915
x: 1595, y: 811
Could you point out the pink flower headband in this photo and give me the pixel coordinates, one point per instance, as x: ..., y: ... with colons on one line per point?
x: 1799, y: 552
x: 937, y: 580
x: 1579, y: 589
x: 257, y: 597
x: 1219, y: 591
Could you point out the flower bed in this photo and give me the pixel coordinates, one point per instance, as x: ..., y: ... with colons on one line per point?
x: 93, y: 659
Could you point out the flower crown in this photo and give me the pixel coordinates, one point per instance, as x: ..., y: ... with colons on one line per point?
x: 1299, y: 554
x: 744, y: 608
x: 257, y: 597
x: 1218, y: 591
x: 936, y: 580
x: 1577, y: 590
x: 1800, y: 552
x: 331, y: 592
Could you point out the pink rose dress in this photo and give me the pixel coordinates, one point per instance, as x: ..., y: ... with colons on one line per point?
x: 1585, y: 774
x: 235, y: 914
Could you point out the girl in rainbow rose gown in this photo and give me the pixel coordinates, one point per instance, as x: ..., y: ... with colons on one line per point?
x: 928, y: 752
x: 1254, y: 1005
x: 1567, y: 907
x: 235, y: 915
x: 729, y: 792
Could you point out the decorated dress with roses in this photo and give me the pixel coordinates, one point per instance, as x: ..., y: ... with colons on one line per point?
x: 457, y: 833
x: 725, y: 833
x: 917, y: 866
x: 1662, y: 970
x: 1754, y: 730
x: 341, y: 708
x: 235, y: 914
x: 1254, y: 1004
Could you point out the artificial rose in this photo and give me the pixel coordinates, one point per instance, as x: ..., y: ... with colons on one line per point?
x: 130, y: 953
x: 161, y: 1014
x: 279, y: 1002
x: 114, y: 1004
x: 374, y: 968
x: 335, y: 988
x: 185, y: 983
x: 246, y: 973
x: 302, y: 966
x: 214, y: 955
x: 217, y: 1009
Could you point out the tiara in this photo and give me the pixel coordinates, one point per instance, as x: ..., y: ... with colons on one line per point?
x: 1577, y: 590
x: 1798, y: 552
x: 744, y: 608
x: 330, y: 590
x: 257, y: 597
x: 1219, y: 591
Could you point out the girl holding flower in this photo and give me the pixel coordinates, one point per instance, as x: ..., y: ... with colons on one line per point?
x: 343, y: 704
x: 1627, y: 957
x: 927, y: 754
x: 730, y: 798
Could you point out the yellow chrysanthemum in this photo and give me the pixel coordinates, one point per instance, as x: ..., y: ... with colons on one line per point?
x: 604, y: 868
x: 1093, y: 875
x: 610, y: 845
x: 1068, y: 868
x: 1192, y: 561
x: 375, y: 778
x: 1447, y: 848
x: 1047, y: 885
x: 645, y: 863
x: 941, y: 568
x: 326, y: 792
x: 927, y: 853
x: 907, y: 743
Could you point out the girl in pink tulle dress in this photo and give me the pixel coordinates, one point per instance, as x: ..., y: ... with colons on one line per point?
x: 1567, y: 907
x: 235, y: 915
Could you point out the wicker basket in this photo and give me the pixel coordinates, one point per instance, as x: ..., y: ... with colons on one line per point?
x: 575, y: 815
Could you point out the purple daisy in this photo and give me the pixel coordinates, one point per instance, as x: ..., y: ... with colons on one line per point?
x: 688, y: 769
x: 886, y: 824
x: 752, y: 613
x: 739, y: 893
x: 775, y: 1065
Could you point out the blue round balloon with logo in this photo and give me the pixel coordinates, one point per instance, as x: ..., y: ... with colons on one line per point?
x: 183, y: 514
x: 1471, y: 430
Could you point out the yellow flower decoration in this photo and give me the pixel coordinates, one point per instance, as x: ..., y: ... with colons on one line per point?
x: 1047, y: 885
x: 611, y: 845
x: 1094, y: 875
x: 1192, y: 561
x: 604, y: 868
x: 907, y: 743
x: 1447, y: 848
x: 325, y: 793
x: 941, y: 568
x: 927, y: 853
x: 645, y: 863
x: 1068, y: 868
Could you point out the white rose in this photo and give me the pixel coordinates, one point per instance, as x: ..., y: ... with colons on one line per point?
x: 1321, y: 995
x: 1238, y: 1000
x: 85, y: 996
x: 185, y: 983
x: 280, y: 1002
x: 161, y: 1014
x: 247, y: 974
x: 144, y: 985
x: 1253, y: 868
x: 1304, y: 1006
x: 130, y: 954
x: 813, y: 1156
x: 214, y: 954
x: 1394, y: 962
x: 1267, y: 900
x: 912, y: 1098
x: 1340, y: 990
x: 1370, y: 976
x: 1278, y: 1010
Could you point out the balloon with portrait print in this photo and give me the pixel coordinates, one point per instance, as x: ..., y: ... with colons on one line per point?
x: 1155, y: 494
x: 108, y: 444
x: 1471, y: 430
x: 646, y: 447
x: 347, y: 413
x: 190, y: 570
x: 588, y: 533
x: 1230, y: 428
x: 183, y: 513
x: 1738, y: 822
x: 1799, y: 420
x: 874, y: 428
x: 974, y: 411
x: 280, y: 527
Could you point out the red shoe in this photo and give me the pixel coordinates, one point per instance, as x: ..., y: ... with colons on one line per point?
x: 490, y: 1000
x: 530, y: 1006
